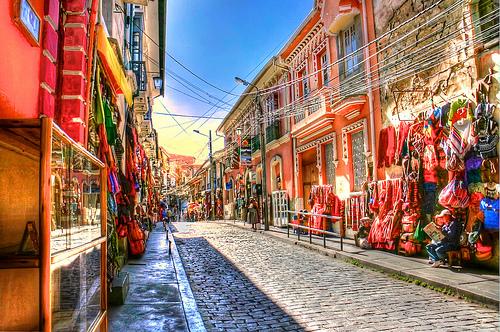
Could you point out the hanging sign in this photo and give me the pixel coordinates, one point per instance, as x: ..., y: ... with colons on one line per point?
x: 245, y: 153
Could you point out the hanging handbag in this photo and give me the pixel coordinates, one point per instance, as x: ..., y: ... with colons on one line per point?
x: 454, y: 195
x: 409, y: 223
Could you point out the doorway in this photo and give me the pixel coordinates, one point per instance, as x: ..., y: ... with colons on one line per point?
x: 310, y: 175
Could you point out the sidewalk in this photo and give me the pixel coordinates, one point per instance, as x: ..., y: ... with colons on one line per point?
x: 159, y: 297
x: 478, y: 285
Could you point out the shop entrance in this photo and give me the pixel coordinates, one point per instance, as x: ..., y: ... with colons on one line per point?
x: 310, y: 176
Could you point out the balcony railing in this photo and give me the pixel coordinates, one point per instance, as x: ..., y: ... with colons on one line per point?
x: 307, y: 107
x: 139, y: 69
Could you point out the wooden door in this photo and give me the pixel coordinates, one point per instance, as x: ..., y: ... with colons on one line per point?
x: 310, y: 178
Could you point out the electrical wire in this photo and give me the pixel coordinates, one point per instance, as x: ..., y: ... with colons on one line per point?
x: 172, y: 115
x: 185, y: 116
x: 188, y: 85
x: 196, y: 98
x: 441, y: 14
x: 295, y: 103
x: 232, y: 145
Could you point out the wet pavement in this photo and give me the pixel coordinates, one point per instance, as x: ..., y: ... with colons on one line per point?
x: 246, y: 281
x: 159, y: 297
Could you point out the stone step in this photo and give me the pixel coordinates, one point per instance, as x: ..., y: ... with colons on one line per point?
x: 119, y: 289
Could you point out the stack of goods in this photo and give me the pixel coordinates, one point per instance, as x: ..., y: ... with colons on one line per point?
x: 356, y: 208
x: 386, y: 201
x: 299, y: 219
x: 323, y: 201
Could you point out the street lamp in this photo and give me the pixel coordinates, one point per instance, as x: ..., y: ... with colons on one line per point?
x: 239, y: 80
x: 158, y: 82
x: 212, y: 172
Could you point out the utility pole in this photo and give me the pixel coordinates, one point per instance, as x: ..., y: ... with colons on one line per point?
x: 212, y: 177
x: 263, y: 161
x: 262, y: 149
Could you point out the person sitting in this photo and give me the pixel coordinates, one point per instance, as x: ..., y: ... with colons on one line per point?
x: 451, y: 229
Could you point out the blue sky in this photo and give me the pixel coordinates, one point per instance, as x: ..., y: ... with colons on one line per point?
x: 218, y: 40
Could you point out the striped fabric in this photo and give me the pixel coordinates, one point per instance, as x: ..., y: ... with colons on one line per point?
x: 461, y: 137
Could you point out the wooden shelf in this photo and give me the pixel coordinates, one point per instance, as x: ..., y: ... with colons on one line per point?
x: 19, y: 262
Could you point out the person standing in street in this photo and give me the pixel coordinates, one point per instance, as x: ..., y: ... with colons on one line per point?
x: 253, y: 213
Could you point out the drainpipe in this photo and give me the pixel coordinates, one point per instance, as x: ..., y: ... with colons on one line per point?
x: 370, y: 91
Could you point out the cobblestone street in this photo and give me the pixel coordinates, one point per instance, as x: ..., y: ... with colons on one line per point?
x: 247, y: 281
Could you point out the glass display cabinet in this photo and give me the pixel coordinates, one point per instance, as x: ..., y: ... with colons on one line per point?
x: 52, y: 231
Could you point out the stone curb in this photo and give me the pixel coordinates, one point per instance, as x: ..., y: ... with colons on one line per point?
x: 475, y: 297
x: 191, y: 312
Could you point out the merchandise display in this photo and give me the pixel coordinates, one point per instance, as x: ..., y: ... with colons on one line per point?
x: 323, y: 201
x: 449, y: 163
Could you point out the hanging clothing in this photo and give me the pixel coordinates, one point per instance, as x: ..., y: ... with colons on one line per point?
x: 461, y: 137
x: 401, y: 151
x: 382, y: 145
x: 391, y: 146
x: 491, y: 209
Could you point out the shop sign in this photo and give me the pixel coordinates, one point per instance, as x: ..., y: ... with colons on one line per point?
x: 29, y: 21
x: 245, y: 153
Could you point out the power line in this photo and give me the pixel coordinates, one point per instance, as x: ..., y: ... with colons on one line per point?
x: 172, y: 115
x: 185, y: 83
x: 196, y: 98
x: 185, y: 116
x: 197, y: 76
x: 360, y: 87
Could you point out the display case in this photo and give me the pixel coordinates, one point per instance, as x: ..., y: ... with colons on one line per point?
x: 52, y: 231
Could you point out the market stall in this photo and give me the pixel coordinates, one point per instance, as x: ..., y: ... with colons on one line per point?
x: 448, y: 157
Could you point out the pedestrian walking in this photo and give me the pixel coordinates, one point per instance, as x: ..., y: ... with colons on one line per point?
x: 253, y: 213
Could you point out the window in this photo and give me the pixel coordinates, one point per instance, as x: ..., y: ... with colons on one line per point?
x: 325, y: 78
x: 487, y: 21
x: 304, y: 84
x: 271, y: 108
x: 358, y: 159
x: 329, y: 163
x: 349, y: 41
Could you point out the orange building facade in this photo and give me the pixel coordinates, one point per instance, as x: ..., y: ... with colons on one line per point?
x: 320, y: 103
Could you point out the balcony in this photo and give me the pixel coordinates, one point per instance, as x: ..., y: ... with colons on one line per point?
x: 139, y: 69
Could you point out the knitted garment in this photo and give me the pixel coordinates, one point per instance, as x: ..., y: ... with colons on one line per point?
x: 457, y: 106
x: 382, y: 147
x: 490, y: 208
x: 391, y: 146
x: 473, y: 169
x: 404, y: 128
x: 484, y: 126
x: 487, y: 146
